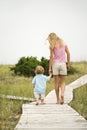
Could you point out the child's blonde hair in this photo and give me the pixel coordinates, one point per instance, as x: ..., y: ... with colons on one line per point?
x: 39, y: 69
x: 52, y: 37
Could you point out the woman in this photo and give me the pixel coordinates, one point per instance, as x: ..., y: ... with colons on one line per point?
x: 59, y: 57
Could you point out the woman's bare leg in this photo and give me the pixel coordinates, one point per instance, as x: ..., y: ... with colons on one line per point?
x: 56, y: 79
x: 62, y: 82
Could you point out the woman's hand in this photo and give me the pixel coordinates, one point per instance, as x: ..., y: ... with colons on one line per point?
x: 50, y: 72
x: 68, y: 66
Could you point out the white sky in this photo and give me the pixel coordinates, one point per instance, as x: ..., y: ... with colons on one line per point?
x: 25, y: 25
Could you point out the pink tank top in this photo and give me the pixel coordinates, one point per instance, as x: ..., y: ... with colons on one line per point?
x: 59, y: 54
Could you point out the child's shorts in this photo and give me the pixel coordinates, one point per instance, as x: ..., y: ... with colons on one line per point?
x: 59, y: 69
x: 39, y: 96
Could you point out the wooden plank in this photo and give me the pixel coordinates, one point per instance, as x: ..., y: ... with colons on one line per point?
x: 52, y: 116
x: 17, y: 98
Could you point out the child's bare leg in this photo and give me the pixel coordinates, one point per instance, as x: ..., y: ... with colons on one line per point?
x: 42, y: 98
x: 42, y: 101
x: 37, y: 98
x: 37, y: 101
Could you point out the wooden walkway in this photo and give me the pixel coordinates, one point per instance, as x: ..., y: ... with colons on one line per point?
x: 53, y: 116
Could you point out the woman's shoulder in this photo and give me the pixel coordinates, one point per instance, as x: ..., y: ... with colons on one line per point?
x: 64, y: 43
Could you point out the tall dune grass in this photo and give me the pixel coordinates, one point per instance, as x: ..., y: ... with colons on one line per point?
x: 79, y: 102
x: 10, y: 84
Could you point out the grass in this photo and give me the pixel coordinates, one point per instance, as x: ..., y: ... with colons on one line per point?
x: 14, y: 85
x: 10, y: 110
x: 79, y: 102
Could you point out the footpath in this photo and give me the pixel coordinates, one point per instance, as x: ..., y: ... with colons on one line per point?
x: 52, y: 116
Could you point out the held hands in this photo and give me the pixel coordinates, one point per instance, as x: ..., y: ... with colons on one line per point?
x: 50, y: 72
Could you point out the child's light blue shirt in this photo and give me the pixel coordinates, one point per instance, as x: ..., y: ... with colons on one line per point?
x: 39, y: 82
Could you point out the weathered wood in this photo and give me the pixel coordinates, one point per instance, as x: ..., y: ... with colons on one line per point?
x: 17, y: 98
x: 52, y: 116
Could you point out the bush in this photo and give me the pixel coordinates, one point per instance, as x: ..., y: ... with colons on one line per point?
x: 26, y: 66
x: 45, y: 64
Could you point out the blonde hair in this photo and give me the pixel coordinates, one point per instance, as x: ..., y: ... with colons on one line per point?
x: 39, y: 69
x: 52, y: 38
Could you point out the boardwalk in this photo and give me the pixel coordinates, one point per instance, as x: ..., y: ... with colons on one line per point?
x: 52, y: 116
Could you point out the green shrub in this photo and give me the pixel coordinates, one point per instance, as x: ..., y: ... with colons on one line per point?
x: 26, y: 66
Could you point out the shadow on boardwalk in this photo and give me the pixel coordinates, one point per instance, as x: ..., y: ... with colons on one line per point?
x: 52, y: 116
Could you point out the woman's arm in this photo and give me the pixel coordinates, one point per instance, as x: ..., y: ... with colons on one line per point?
x: 51, y: 61
x: 68, y: 57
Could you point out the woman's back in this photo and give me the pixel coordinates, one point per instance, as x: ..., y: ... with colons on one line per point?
x: 59, y: 54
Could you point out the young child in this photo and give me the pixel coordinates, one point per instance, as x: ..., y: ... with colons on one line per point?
x: 39, y: 83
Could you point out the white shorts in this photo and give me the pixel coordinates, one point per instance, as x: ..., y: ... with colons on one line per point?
x: 59, y: 69
x: 39, y: 96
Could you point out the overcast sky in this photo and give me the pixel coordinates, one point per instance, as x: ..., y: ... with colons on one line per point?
x: 25, y: 25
